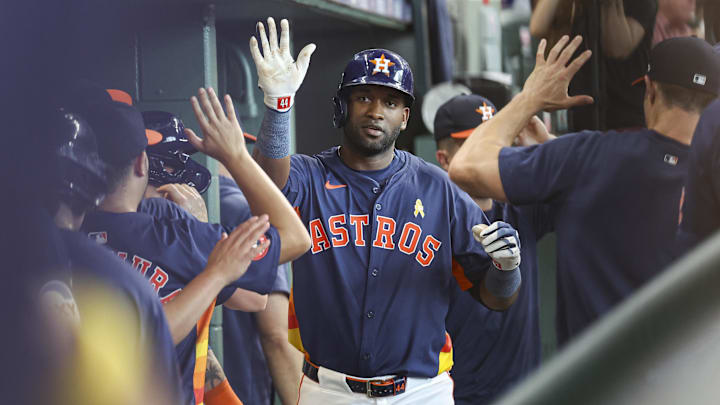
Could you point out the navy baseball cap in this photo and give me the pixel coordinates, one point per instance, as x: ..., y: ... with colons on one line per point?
x: 687, y: 62
x: 459, y: 116
x: 120, y: 131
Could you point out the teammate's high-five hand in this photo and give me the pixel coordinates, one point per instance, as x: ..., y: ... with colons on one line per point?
x: 223, y: 138
x: 548, y: 83
x: 232, y: 254
x: 279, y: 76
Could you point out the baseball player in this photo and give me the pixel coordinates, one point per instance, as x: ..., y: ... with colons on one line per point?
x: 78, y: 186
x: 250, y: 338
x: 493, y: 350
x: 388, y: 230
x: 613, y: 196
x: 701, y: 208
x: 173, y: 253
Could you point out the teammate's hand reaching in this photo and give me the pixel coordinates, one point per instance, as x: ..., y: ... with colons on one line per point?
x: 232, y: 254
x: 279, y: 76
x: 548, y: 83
x: 534, y: 133
x: 187, y: 197
x: 501, y: 242
x: 222, y: 136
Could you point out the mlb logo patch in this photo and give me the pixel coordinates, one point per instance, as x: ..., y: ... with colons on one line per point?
x: 99, y: 237
x: 699, y: 79
x: 671, y: 159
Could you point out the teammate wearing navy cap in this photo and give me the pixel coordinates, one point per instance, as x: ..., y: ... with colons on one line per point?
x: 256, y: 344
x: 613, y: 196
x: 388, y: 230
x: 79, y: 185
x: 493, y: 350
x: 173, y: 253
x: 701, y: 207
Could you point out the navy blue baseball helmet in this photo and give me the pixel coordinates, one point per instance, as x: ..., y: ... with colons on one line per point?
x: 81, y: 173
x: 377, y: 67
x: 170, y: 160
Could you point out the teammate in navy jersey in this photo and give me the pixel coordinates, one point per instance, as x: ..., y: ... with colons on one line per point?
x: 701, y: 207
x: 247, y: 335
x: 369, y: 300
x: 173, y: 253
x: 493, y: 350
x: 78, y: 185
x: 613, y: 196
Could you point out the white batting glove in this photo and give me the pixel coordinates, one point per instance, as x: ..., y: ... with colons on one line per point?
x: 501, y: 242
x: 279, y: 76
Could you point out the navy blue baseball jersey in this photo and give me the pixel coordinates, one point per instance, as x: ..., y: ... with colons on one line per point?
x: 244, y: 360
x: 614, y: 198
x: 170, y: 253
x: 701, y: 207
x: 371, y: 296
x: 495, y: 350
x: 90, y: 261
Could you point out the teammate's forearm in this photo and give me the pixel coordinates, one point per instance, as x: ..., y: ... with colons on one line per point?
x: 475, y: 166
x: 284, y: 360
x: 265, y: 198
x: 183, y: 311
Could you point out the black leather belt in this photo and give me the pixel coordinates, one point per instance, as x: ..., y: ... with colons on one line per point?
x: 372, y: 388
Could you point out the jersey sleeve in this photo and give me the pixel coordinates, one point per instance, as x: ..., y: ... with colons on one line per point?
x: 542, y: 173
x: 466, y: 251
x: 282, y: 282
x: 296, y: 188
x: 163, y: 208
x: 262, y: 273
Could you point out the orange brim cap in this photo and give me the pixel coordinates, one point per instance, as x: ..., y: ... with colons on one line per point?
x: 120, y: 95
x: 250, y: 137
x: 462, y: 134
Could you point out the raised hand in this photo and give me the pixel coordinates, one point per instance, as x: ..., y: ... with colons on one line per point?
x: 534, y: 133
x: 187, y: 197
x: 232, y: 254
x: 279, y: 76
x: 548, y: 83
x: 222, y: 136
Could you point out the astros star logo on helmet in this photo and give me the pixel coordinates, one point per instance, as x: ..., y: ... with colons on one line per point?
x: 382, y: 65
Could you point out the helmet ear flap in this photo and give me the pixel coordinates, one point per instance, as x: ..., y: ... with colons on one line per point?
x: 339, y: 110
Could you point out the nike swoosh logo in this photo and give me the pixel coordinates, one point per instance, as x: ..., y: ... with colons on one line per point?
x: 333, y: 186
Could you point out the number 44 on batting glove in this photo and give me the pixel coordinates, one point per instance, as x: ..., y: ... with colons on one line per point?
x: 501, y: 242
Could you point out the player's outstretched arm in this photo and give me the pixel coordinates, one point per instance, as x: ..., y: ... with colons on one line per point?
x: 475, y: 167
x: 224, y: 141
x: 279, y: 77
x: 228, y: 261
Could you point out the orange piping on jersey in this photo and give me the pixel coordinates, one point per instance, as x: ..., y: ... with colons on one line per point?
x: 201, y: 351
x: 459, y: 274
x: 294, y: 326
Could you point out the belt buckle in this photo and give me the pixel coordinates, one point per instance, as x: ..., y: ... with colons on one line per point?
x: 368, y: 388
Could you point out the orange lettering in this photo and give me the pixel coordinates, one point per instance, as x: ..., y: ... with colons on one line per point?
x: 384, y: 233
x: 359, y: 221
x: 403, y: 244
x: 334, y: 222
x: 430, y: 246
x: 320, y: 240
x: 140, y: 264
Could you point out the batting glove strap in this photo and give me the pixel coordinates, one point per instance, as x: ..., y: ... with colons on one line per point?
x: 503, y: 284
x: 280, y: 103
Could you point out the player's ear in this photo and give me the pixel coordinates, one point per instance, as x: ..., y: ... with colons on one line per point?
x: 141, y: 165
x: 441, y: 155
x: 650, y: 90
x: 406, y: 117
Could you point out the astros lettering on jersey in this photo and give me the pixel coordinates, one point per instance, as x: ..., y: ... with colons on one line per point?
x: 370, y: 297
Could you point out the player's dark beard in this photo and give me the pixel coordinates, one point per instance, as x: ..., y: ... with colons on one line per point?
x: 355, y: 141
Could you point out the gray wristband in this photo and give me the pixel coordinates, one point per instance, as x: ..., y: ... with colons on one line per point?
x: 502, y: 283
x: 273, y: 139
